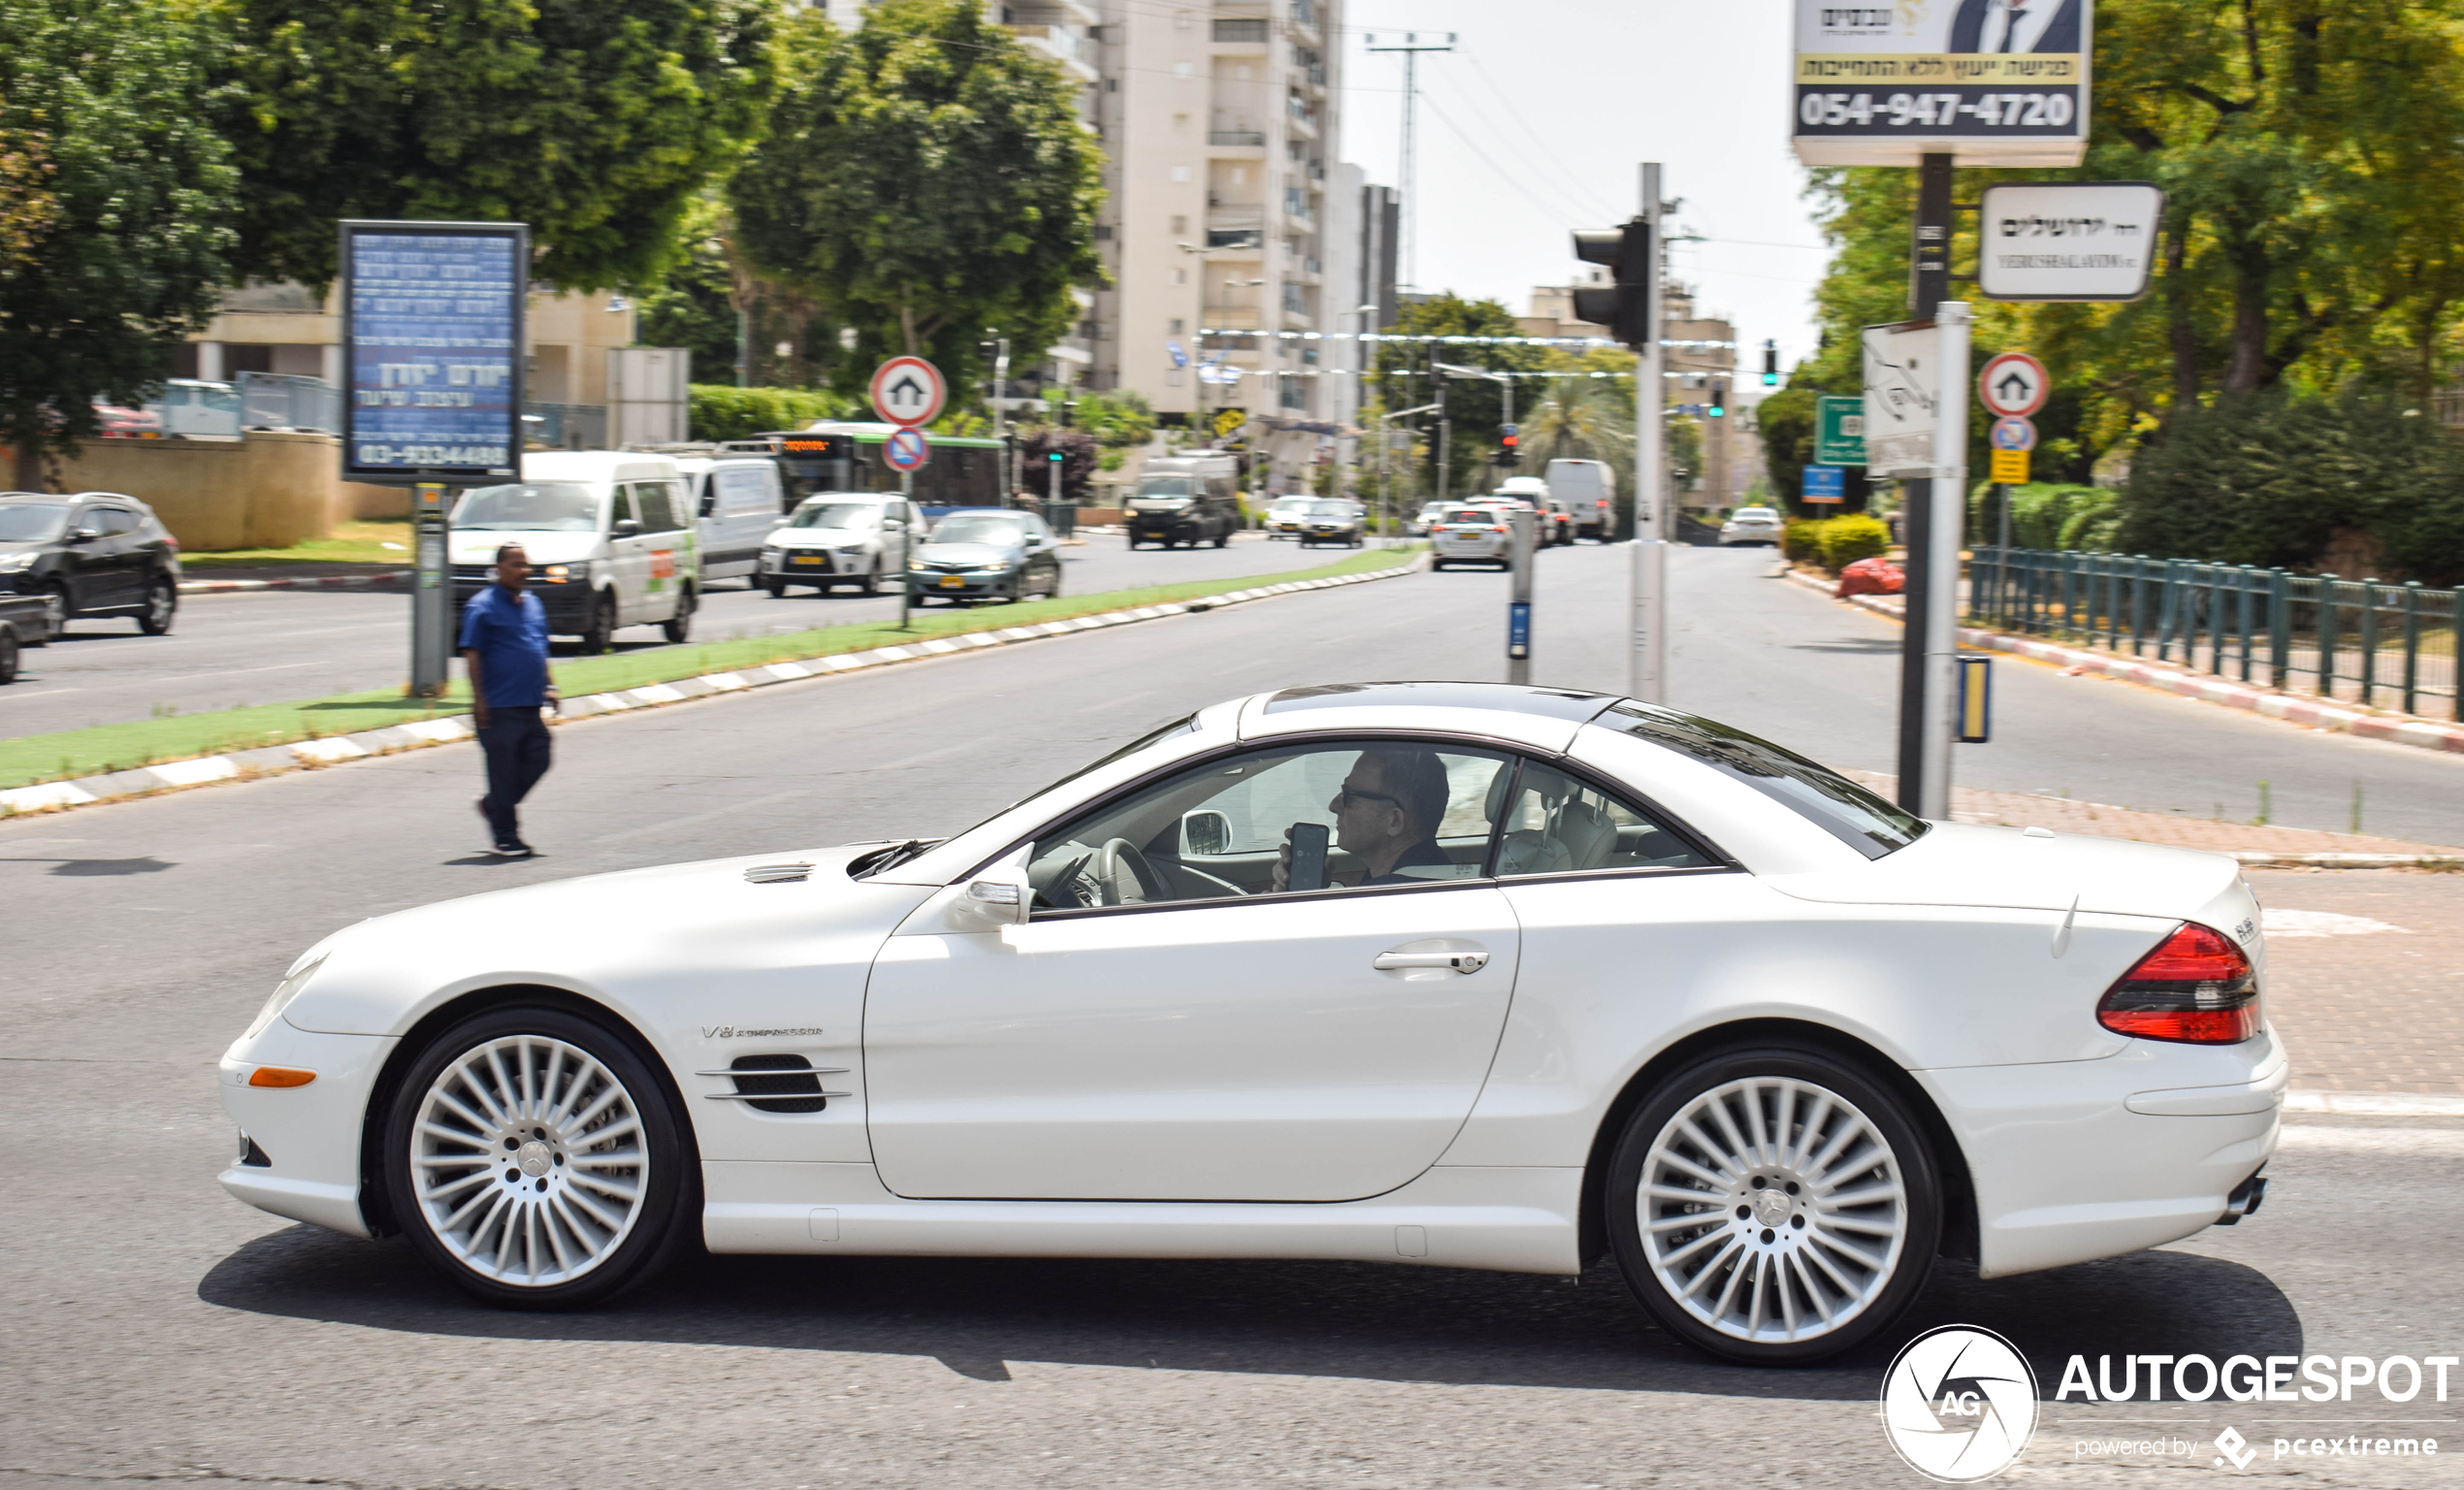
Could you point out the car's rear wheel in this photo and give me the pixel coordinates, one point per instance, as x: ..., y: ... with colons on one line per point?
x: 534, y: 1158
x: 162, y: 609
x: 1774, y: 1204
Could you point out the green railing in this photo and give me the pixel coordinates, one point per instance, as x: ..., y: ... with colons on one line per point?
x: 2374, y: 644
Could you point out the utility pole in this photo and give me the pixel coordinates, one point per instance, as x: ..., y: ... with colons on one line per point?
x: 1411, y: 45
x: 1928, y: 640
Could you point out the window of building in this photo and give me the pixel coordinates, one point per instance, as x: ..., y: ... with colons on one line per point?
x: 1174, y: 326
x: 1180, y: 224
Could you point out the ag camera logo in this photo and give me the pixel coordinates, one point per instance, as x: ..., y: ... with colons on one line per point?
x: 1959, y: 1404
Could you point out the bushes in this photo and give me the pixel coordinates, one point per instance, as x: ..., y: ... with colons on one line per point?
x: 2048, y: 515
x: 722, y: 413
x: 1834, y: 543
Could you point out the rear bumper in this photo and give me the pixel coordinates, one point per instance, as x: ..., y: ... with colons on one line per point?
x: 2076, y: 1160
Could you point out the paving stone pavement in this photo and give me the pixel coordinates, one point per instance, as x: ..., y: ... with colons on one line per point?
x: 2369, y: 1011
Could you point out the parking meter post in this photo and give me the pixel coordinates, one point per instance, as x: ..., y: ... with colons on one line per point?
x: 1522, y: 529
x: 906, y: 545
x: 431, y: 592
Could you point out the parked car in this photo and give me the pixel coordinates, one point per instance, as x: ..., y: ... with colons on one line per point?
x: 1417, y: 525
x: 1572, y: 973
x: 1751, y: 525
x: 25, y: 620
x: 738, y: 500
x: 986, y: 554
x: 1469, y: 535
x: 1283, y: 516
x: 90, y: 555
x: 1334, y: 520
x: 836, y: 539
x: 1589, y: 490
x: 609, y: 535
x: 1190, y: 500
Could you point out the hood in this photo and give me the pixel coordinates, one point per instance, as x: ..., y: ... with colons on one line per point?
x: 591, y: 935
x: 1962, y: 863
x: 966, y: 553
x: 542, y: 547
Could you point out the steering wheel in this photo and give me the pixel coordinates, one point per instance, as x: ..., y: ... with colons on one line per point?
x: 1124, y: 873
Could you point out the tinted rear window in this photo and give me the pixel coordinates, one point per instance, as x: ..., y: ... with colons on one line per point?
x: 1831, y: 801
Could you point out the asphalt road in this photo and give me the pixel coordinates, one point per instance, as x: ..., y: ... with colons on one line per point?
x: 269, y: 645
x: 154, y: 1329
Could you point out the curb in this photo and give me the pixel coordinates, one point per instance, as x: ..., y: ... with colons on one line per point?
x: 335, y: 749
x: 2311, y: 713
x: 2254, y: 859
x: 313, y: 582
x: 2376, y: 1104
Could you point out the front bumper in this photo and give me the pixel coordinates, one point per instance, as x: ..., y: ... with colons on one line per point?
x: 310, y: 1135
x: 972, y: 585
x: 825, y: 563
x: 568, y: 605
x: 2080, y: 1160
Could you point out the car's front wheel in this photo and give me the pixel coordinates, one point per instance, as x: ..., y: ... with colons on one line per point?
x: 1774, y: 1204
x: 534, y: 1158
x: 598, y: 623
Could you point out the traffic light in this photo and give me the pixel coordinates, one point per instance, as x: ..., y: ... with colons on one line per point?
x: 1770, y: 363
x: 1625, y: 307
x: 1719, y: 399
x: 1508, y: 438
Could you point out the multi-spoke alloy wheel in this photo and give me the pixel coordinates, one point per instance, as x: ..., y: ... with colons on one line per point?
x: 536, y: 1161
x: 1776, y: 1206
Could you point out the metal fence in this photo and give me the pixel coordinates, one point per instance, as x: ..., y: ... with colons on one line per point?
x: 565, y: 425
x: 2363, y: 640
x: 288, y: 401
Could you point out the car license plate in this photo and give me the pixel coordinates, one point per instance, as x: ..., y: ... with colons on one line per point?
x: 953, y: 582
x: 806, y: 559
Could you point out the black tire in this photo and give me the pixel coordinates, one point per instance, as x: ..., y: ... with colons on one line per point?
x: 8, y: 654
x: 678, y: 628
x: 1052, y: 584
x: 775, y: 588
x: 598, y: 627
x: 533, y: 1161
x: 872, y: 580
x: 1221, y: 539
x: 55, y: 596
x: 1755, y: 1226
x: 162, y: 609
x: 1435, y: 566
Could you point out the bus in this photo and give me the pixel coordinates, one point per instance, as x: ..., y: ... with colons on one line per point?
x: 965, y: 471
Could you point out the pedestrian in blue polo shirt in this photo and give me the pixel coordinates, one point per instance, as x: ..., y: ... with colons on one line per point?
x: 504, y: 643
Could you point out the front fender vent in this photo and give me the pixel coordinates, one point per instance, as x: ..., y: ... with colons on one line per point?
x: 777, y: 1083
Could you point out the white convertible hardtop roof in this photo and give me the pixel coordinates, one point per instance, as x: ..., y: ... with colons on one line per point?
x: 1544, y: 718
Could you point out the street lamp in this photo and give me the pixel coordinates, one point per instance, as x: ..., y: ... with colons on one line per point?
x: 1385, y: 448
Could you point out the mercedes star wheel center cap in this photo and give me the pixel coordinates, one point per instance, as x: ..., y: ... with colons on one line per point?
x: 1772, y: 1206
x: 534, y: 1158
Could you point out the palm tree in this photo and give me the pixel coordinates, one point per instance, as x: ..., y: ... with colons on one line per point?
x: 1584, y: 418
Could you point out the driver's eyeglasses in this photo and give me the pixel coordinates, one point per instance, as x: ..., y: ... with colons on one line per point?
x: 1344, y: 798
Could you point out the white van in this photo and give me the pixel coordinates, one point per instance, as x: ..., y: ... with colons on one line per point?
x: 609, y: 535
x: 1589, y: 490
x: 736, y: 500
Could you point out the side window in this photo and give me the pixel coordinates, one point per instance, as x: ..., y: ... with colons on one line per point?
x: 113, y: 522
x: 651, y: 498
x: 1391, y: 813
x: 620, y: 506
x: 1556, y: 825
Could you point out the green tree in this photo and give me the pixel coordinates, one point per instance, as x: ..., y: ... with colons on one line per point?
x: 1404, y: 373
x: 596, y: 123
x: 928, y: 181
x: 1119, y: 420
x: 126, y: 255
x: 26, y: 203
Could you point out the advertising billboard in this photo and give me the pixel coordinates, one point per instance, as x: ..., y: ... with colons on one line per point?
x: 1991, y: 83
x: 432, y: 321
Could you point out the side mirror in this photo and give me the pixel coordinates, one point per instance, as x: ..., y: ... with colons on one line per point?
x: 992, y: 905
x: 893, y: 525
x: 1205, y: 832
x: 626, y: 528
x: 84, y: 535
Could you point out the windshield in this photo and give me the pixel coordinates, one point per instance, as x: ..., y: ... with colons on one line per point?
x: 972, y: 528
x: 835, y: 514
x: 1166, y: 486
x: 1330, y: 509
x: 530, y: 506
x: 1838, y: 807
x: 31, y: 522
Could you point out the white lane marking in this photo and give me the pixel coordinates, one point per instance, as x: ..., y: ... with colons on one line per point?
x: 2282, y: 922
x: 2376, y: 1104
x: 2446, y: 1141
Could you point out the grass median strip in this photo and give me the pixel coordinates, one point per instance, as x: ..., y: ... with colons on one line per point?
x: 71, y: 753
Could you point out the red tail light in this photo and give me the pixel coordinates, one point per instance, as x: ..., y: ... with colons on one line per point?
x: 2195, y: 989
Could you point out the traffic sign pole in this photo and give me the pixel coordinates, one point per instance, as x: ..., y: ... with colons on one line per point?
x: 906, y: 546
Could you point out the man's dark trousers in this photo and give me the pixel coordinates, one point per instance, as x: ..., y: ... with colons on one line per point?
x: 516, y: 742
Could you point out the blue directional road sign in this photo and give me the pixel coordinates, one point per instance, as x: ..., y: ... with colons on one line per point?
x: 1825, y: 483
x: 906, y: 449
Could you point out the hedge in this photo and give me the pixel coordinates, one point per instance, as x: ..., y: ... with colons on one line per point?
x: 1834, y: 543
x: 722, y: 413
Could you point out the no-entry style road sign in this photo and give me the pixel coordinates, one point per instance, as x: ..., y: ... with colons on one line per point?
x: 2012, y: 432
x: 906, y: 449
x: 909, y: 390
x: 2014, y: 383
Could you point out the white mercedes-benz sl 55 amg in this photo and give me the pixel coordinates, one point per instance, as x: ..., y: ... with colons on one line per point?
x: 1450, y: 973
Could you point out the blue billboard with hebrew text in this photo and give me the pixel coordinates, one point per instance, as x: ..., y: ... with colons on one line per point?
x: 433, y: 323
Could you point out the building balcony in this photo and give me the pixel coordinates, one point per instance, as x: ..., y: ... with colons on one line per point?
x: 1074, y: 52
x: 1242, y: 31
x: 1234, y: 317
x: 1298, y: 320
x: 1236, y: 140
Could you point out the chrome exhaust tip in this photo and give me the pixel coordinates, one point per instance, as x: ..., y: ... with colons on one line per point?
x: 2244, y: 1200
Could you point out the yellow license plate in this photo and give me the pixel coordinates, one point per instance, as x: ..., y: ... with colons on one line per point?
x: 953, y: 582
x: 803, y: 560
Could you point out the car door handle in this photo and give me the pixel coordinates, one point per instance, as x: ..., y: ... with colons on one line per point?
x: 1464, y: 962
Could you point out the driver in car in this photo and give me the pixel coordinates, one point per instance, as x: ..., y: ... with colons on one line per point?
x: 1386, y: 816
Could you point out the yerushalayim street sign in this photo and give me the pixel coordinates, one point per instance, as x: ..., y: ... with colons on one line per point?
x: 2067, y: 240
x: 1991, y: 82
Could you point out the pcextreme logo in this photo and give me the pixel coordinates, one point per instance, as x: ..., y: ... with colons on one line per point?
x: 1959, y: 1404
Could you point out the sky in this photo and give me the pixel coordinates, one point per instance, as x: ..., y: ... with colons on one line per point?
x: 1536, y: 125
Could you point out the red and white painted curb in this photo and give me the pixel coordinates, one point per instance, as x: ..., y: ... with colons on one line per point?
x: 306, y: 582
x: 2293, y: 708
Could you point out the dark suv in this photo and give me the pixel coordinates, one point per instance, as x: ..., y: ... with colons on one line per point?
x: 91, y: 553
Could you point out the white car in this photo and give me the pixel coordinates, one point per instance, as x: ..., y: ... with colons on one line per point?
x: 1286, y: 516
x: 1751, y: 525
x: 1446, y: 974
x: 1417, y: 525
x: 836, y: 539
x: 1470, y: 535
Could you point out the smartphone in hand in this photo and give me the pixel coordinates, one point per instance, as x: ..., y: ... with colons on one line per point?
x: 1308, y: 857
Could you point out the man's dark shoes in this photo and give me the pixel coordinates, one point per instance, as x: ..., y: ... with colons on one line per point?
x: 516, y: 849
